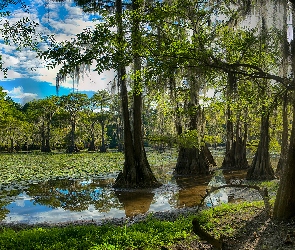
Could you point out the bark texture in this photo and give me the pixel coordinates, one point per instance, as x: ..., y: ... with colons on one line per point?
x: 136, y: 171
x: 261, y: 168
x: 194, y: 161
x: 235, y: 158
x: 284, y: 145
x: 285, y: 199
x: 103, y: 147
x: 91, y: 146
x: 235, y: 152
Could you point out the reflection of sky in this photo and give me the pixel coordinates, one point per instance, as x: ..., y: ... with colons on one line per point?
x: 20, y: 202
x: 219, y: 196
x: 161, y: 204
x: 40, y: 214
x: 96, y: 193
x: 63, y: 191
x: 216, y: 198
x: 85, y: 182
x: 26, y: 210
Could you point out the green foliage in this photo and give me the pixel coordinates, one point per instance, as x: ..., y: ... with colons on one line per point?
x: 220, y: 220
x: 274, y: 145
x: 190, y: 139
x: 169, y: 140
x: 150, y: 234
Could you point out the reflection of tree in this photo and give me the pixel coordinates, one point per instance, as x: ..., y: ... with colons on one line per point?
x: 6, y: 197
x: 107, y: 201
x: 135, y: 202
x: 191, y: 190
x: 73, y: 195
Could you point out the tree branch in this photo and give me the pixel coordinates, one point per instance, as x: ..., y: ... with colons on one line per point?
x: 263, y: 193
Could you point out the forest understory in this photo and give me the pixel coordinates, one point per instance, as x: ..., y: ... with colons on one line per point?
x: 259, y: 233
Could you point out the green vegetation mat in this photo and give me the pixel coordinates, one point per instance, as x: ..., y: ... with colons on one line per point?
x: 21, y: 167
x: 41, y: 166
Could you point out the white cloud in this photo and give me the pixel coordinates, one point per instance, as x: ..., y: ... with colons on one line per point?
x: 11, y: 74
x: 18, y: 93
x: 26, y: 64
x: 41, y: 214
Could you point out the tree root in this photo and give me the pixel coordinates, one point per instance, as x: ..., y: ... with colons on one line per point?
x: 218, y: 243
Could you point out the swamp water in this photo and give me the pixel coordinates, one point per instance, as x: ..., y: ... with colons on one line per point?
x: 66, y: 200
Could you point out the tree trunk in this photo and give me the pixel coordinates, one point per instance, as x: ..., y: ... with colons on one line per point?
x: 235, y: 156
x: 92, y: 142
x: 43, y: 138
x: 235, y: 151
x: 12, y: 149
x: 194, y: 160
x: 285, y: 199
x: 73, y: 147
x: 285, y: 70
x: 229, y: 132
x: 261, y: 168
x: 103, y: 148
x: 284, y: 145
x: 46, y: 146
x: 136, y: 170
x: 120, y: 137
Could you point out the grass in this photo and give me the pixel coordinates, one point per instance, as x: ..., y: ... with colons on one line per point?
x: 149, y: 234
x: 226, y: 219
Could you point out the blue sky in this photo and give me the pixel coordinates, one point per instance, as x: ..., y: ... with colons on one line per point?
x: 64, y: 20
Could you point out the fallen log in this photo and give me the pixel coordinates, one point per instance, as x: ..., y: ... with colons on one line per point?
x: 218, y: 244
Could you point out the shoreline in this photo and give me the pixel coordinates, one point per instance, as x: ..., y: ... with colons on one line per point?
x: 170, y: 215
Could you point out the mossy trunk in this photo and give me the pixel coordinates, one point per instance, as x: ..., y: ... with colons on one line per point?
x: 235, y: 157
x: 284, y: 145
x: 43, y: 138
x: 103, y: 147
x: 261, y: 168
x: 136, y: 171
x: 285, y: 198
x: 194, y: 161
x: 46, y: 143
x: 72, y: 148
x: 11, y: 148
x: 91, y: 146
x: 235, y: 152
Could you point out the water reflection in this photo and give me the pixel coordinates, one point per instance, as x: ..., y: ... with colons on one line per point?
x: 220, y: 195
x: 62, y: 200
x: 74, y: 195
x: 192, y: 189
x: 135, y: 202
